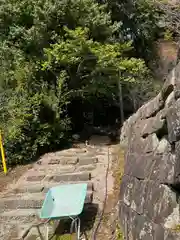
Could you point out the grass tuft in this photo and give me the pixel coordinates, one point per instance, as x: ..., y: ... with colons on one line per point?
x: 176, y: 228
x: 119, y: 234
x: 65, y: 237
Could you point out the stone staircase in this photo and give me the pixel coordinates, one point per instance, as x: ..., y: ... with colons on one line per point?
x: 21, y: 203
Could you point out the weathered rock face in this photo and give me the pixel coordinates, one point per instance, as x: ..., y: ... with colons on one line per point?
x: 167, y: 54
x: 150, y: 189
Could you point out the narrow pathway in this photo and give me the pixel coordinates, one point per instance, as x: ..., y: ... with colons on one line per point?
x: 20, y: 204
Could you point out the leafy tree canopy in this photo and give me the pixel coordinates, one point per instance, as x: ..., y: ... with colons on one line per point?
x: 140, y: 23
x: 50, y: 53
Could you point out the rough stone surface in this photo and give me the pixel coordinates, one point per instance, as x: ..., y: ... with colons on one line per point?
x: 90, y: 186
x: 23, y: 214
x: 35, y: 177
x: 173, y: 122
x: 54, y: 161
x: 70, y: 177
x: 150, y: 189
x: 63, y: 160
x: 89, y: 197
x: 28, y: 189
x: 68, y: 160
x: 87, y: 160
x: 84, y: 168
x: 20, y: 204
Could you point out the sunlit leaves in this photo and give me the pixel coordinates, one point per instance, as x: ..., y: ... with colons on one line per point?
x: 52, y: 51
x: 94, y: 65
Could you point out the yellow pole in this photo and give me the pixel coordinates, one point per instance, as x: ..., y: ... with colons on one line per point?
x: 2, y: 155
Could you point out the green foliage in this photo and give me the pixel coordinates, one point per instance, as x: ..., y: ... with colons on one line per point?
x: 91, y: 67
x: 176, y: 228
x: 119, y: 234
x: 50, y: 53
x: 31, y: 122
x: 168, y: 35
x: 140, y: 20
x: 65, y: 237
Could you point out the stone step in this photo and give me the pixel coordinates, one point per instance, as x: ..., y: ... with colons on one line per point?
x: 38, y: 187
x: 24, y: 215
x: 32, y: 188
x: 90, y: 186
x: 26, y: 201
x: 72, y: 151
x: 72, y: 160
x: 51, y: 169
x: 56, y: 160
x: 71, y: 177
x: 33, y: 176
x: 89, y: 197
x: 83, y: 168
x: 30, y: 214
x: 17, y: 230
x: 88, y: 154
x: 87, y: 160
x: 30, y: 201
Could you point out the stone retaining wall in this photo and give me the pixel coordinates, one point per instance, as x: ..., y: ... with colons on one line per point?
x: 150, y: 189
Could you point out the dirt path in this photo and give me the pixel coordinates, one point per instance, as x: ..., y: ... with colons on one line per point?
x: 21, y: 200
x: 110, y: 224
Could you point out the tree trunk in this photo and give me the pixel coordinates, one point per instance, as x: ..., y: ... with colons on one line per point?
x: 121, y: 105
x: 135, y: 105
